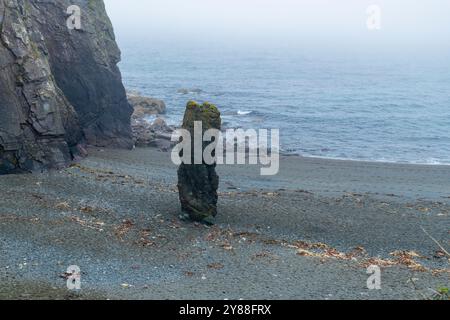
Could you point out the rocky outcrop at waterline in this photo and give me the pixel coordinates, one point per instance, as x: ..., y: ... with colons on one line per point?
x: 145, y: 106
x: 155, y: 134
x: 198, y: 183
x: 59, y: 88
x: 149, y: 129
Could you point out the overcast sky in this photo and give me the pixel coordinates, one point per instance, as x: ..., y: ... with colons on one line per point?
x: 416, y: 23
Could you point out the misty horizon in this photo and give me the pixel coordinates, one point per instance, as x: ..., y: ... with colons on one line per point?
x: 405, y: 26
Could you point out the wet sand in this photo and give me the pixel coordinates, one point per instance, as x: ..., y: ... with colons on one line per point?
x: 308, y: 233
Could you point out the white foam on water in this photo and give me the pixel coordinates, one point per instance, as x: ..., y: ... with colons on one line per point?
x: 244, y: 113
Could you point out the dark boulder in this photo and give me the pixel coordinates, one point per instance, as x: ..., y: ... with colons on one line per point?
x: 198, y: 183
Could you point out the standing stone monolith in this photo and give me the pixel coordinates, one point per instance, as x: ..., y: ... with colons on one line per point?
x: 198, y: 183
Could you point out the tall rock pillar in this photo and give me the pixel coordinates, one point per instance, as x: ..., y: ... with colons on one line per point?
x: 198, y: 183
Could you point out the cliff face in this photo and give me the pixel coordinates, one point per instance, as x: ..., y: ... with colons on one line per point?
x: 59, y: 88
x: 84, y: 63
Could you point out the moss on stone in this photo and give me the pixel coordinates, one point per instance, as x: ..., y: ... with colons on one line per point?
x: 207, y: 113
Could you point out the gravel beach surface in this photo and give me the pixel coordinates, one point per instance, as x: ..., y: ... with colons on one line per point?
x: 308, y: 233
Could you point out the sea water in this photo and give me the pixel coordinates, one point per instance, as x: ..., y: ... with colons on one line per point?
x: 344, y: 106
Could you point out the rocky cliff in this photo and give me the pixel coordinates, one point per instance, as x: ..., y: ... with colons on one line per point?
x: 59, y: 88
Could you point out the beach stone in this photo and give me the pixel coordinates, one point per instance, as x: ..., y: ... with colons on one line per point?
x: 198, y: 183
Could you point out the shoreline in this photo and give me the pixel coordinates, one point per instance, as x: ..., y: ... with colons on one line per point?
x: 364, y: 161
x: 166, y: 136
